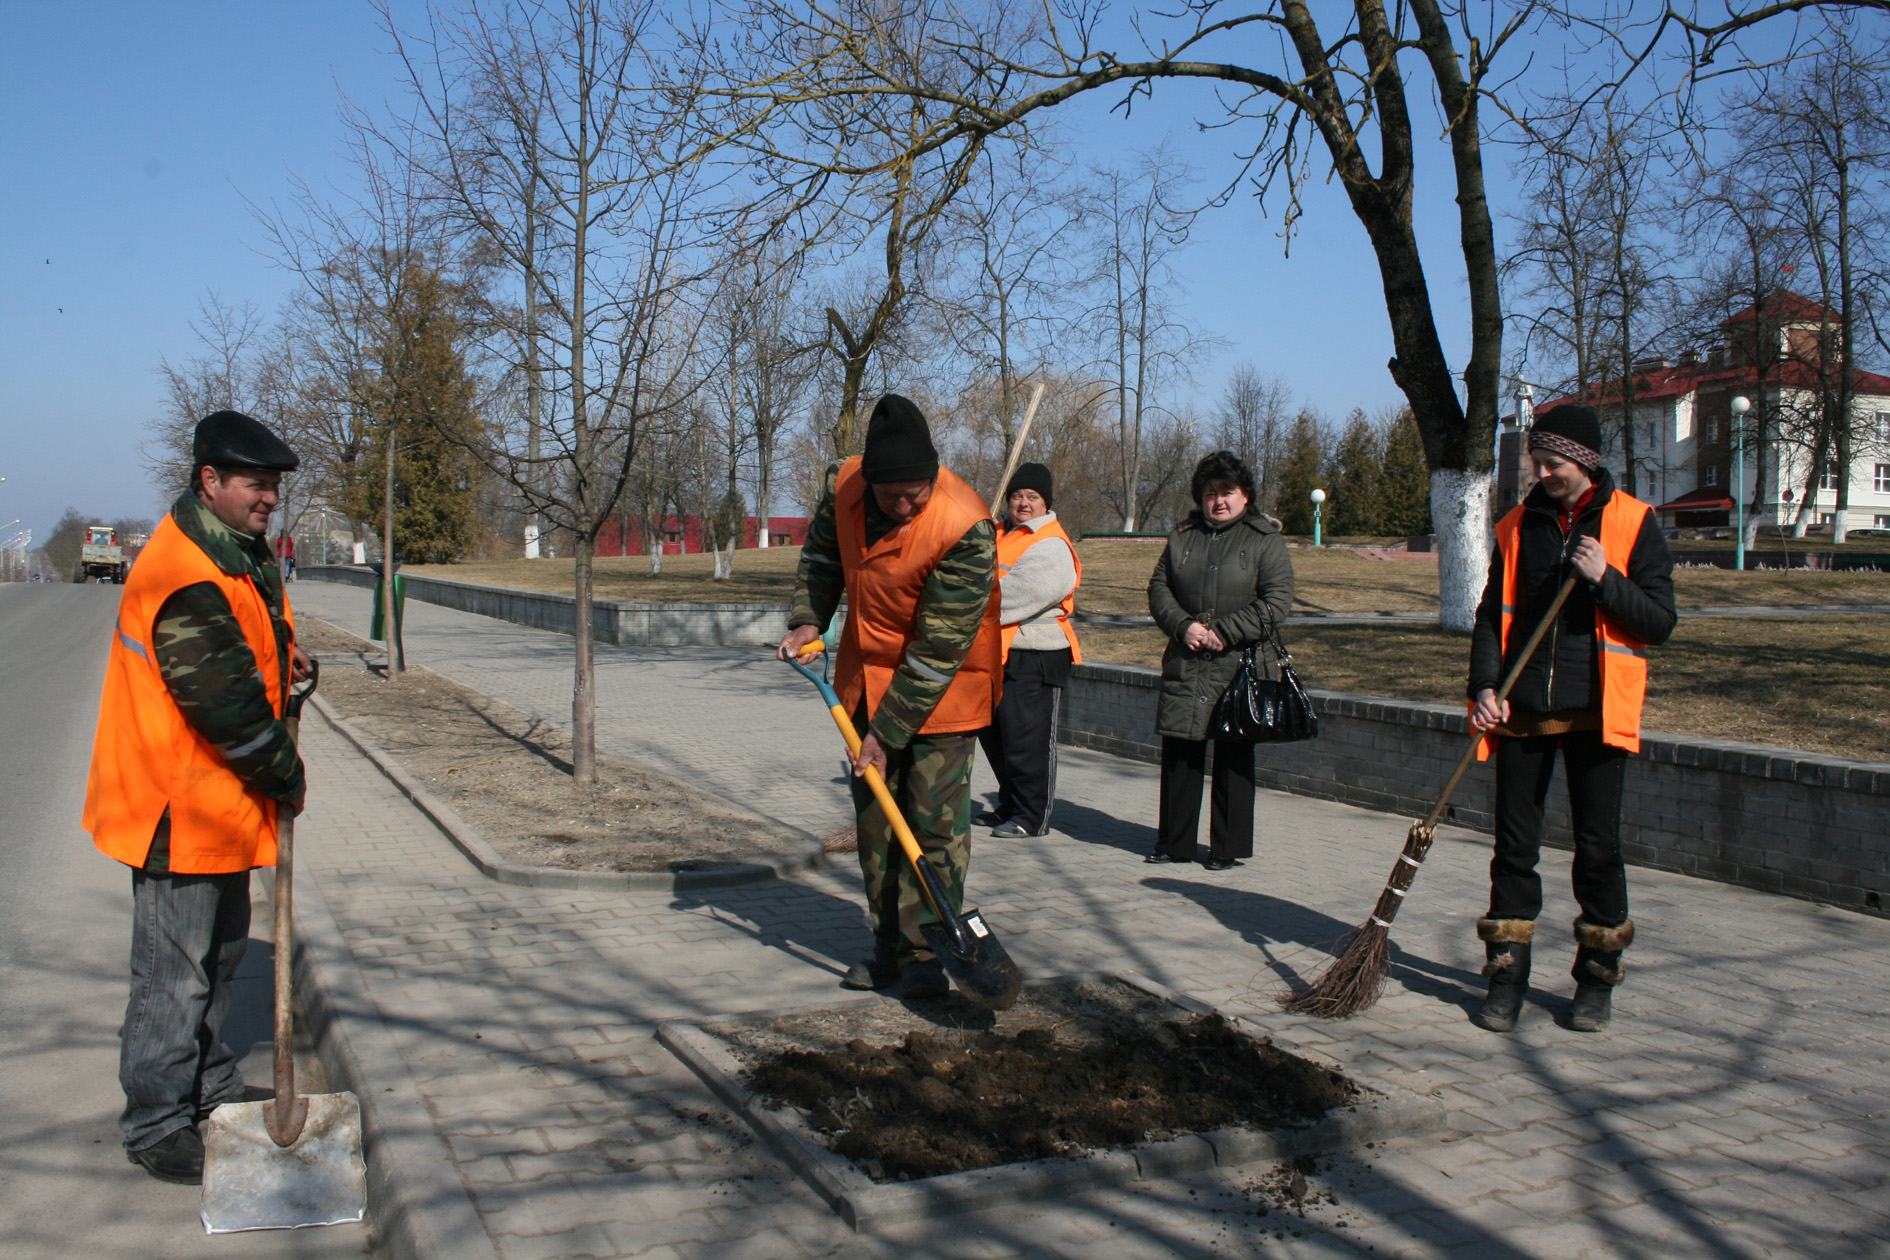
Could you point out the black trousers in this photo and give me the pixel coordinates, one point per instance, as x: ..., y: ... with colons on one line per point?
x: 1596, y: 774
x: 1021, y: 742
x: 1230, y: 820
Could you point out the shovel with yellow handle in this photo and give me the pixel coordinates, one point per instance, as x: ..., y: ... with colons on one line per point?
x: 971, y: 953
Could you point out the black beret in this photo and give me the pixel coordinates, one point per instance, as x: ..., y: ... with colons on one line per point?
x: 230, y: 439
x: 1030, y: 477
x: 898, y: 443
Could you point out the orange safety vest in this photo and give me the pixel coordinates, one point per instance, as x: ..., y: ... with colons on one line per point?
x: 1010, y: 549
x: 147, y: 758
x: 884, y: 582
x: 1622, y: 659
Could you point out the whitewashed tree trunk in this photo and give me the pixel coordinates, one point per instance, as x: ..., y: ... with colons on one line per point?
x: 1460, y: 512
x: 1838, y: 528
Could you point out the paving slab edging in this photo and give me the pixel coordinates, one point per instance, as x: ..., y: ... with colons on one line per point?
x: 495, y: 866
x: 417, y: 1201
x: 866, y: 1205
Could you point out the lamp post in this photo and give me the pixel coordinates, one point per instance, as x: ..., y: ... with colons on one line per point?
x: 1318, y: 497
x: 1740, y: 406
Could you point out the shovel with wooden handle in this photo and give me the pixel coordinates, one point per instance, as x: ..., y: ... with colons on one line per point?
x: 294, y: 1160
x: 970, y: 951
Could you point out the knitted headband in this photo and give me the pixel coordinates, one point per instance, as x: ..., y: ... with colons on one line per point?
x: 1567, y: 448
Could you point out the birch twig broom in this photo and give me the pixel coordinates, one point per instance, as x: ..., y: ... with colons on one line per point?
x: 1356, y: 978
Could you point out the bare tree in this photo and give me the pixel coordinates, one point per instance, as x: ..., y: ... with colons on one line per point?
x: 1143, y: 340
x: 615, y: 242
x: 1344, y: 89
x: 1255, y: 412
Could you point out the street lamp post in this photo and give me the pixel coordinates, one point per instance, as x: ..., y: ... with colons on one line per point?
x: 1740, y: 406
x: 1318, y: 497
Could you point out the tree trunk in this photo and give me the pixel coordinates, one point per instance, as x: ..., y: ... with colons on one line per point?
x: 1460, y: 513
x: 584, y: 676
x: 396, y: 649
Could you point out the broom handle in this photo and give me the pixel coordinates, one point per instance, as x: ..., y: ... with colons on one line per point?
x: 1502, y: 694
x: 1017, y: 450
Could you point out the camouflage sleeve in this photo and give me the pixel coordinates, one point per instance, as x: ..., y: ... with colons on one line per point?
x: 820, y: 582
x: 211, y: 673
x: 951, y: 607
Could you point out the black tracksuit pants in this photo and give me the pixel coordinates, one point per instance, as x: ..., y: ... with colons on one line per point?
x: 1021, y: 742
x: 1595, y: 774
x: 1230, y: 819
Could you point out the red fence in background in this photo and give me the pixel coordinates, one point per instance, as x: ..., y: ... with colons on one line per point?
x: 684, y: 535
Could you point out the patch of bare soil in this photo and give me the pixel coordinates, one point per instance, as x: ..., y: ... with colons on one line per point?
x: 509, y: 775
x: 1074, y: 1068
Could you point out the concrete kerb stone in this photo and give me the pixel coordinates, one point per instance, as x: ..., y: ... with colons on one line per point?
x: 417, y: 1199
x: 495, y: 866
x: 1393, y: 1111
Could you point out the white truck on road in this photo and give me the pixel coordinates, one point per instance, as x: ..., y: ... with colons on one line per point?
x: 101, y: 559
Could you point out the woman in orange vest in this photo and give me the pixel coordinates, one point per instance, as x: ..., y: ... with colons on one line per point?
x: 191, y: 764
x: 1581, y: 694
x: 913, y: 550
x: 1038, y: 573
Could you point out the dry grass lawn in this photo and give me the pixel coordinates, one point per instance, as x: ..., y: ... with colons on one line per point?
x: 1821, y: 684
x: 1115, y: 581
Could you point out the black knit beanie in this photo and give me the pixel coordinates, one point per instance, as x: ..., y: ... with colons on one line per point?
x: 1571, y: 432
x: 898, y: 443
x: 1030, y: 477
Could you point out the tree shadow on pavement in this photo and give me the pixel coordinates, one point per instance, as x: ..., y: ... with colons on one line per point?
x: 790, y: 915
x: 1265, y: 921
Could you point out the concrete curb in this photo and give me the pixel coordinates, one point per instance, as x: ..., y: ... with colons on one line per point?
x: 866, y: 1205
x: 417, y: 1201
x: 495, y: 866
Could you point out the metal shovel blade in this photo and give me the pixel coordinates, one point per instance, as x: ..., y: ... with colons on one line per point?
x: 976, y: 961
x: 251, y: 1183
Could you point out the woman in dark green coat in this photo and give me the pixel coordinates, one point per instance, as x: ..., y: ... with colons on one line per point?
x: 1224, y: 574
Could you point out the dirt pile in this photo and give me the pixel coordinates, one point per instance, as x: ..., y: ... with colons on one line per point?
x: 948, y: 1102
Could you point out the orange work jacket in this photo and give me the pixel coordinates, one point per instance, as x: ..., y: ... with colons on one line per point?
x: 1010, y: 549
x: 147, y: 758
x: 884, y: 582
x: 1622, y: 658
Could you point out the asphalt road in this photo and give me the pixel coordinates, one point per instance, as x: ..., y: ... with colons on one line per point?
x: 66, y: 1189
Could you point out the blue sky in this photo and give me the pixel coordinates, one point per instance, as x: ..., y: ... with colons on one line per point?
x: 136, y: 132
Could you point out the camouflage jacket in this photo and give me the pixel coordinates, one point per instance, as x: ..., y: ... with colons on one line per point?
x: 208, y: 666
x: 951, y: 606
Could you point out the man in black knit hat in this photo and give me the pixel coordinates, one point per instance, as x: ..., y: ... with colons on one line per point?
x: 1580, y: 694
x: 914, y: 551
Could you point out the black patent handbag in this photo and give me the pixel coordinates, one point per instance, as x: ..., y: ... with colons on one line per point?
x: 1256, y: 709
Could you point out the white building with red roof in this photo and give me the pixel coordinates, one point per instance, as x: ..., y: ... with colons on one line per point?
x: 1687, y: 450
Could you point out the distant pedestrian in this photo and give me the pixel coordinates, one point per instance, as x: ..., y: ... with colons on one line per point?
x: 1222, y: 578
x: 285, y: 555
x: 1038, y: 573
x: 912, y: 549
x: 1580, y: 693
x: 190, y: 767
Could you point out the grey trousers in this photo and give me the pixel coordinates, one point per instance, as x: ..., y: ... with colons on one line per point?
x: 188, y: 934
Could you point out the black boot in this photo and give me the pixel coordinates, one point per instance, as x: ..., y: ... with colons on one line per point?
x: 1598, y: 969
x: 878, y: 970
x: 1506, y: 944
x: 177, y: 1157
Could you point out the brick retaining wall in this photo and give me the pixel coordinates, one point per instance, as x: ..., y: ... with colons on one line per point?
x: 1787, y: 822
x: 628, y: 625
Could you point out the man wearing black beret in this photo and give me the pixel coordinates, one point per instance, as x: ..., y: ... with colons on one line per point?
x: 1580, y: 694
x: 191, y: 765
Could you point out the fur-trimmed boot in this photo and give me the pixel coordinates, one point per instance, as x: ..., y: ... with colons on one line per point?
x: 1506, y: 946
x: 1598, y: 969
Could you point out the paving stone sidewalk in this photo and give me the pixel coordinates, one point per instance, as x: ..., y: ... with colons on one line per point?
x: 1737, y: 1108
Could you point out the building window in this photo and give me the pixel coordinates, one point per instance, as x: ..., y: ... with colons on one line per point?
x: 1883, y: 522
x: 1882, y: 479
x: 1712, y: 474
x: 1830, y: 479
x: 1883, y: 426
x: 1709, y: 431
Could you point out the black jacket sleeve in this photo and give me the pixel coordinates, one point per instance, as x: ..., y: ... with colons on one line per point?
x: 1486, y: 636
x: 1641, y: 600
